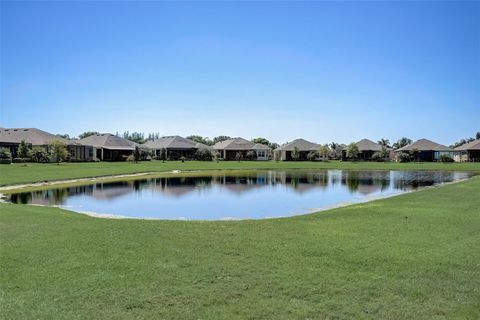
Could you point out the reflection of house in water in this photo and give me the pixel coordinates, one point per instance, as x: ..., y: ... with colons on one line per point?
x: 301, y: 182
x: 103, y: 191
x: 366, y: 182
x: 241, y: 184
x: 43, y: 197
x: 111, y: 192
x: 179, y: 186
x: 366, y: 189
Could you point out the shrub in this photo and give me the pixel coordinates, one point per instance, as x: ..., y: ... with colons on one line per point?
x: 251, y: 155
x: 377, y: 156
x: 136, y: 154
x: 5, y: 156
x: 131, y: 158
x: 217, y: 155
x: 23, y: 151
x: 276, y: 155
x: 163, y: 155
x: 203, y: 155
x: 445, y: 158
x: 238, y: 156
x: 313, y: 155
x: 182, y: 158
x: 295, y: 154
x: 39, y: 154
x: 352, y: 151
x: 324, y: 152
x: 21, y: 160
x: 402, y: 157
x: 414, y: 154
x: 59, y: 151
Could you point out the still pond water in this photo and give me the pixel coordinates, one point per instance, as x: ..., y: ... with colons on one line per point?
x: 235, y: 195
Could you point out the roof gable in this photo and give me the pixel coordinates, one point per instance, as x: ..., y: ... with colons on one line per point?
x: 171, y: 142
x: 107, y: 141
x: 425, y: 145
x: 260, y: 146
x: 234, y: 144
x: 368, y: 145
x: 300, y: 144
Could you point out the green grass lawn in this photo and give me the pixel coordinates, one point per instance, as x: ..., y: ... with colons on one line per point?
x: 415, y: 256
x: 20, y: 173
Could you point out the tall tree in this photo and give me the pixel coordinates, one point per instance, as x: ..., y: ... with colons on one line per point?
x: 295, y: 154
x: 324, y: 151
x: 136, y: 154
x: 137, y: 137
x: 477, y: 136
x: 87, y: 134
x: 63, y: 136
x: 153, y: 136
x: 200, y: 139
x: 23, y: 151
x: 266, y: 142
x: 352, y: 151
x: 261, y: 141
x: 384, y: 143
x: 414, y: 154
x: 402, y: 143
x: 58, y: 150
x: 336, y: 150
x: 220, y: 139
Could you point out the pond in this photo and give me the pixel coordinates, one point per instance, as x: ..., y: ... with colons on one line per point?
x: 235, y: 195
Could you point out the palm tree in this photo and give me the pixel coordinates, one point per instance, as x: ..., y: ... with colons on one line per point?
x: 384, y: 143
x: 295, y: 154
x: 324, y: 151
x: 352, y: 151
x: 402, y: 143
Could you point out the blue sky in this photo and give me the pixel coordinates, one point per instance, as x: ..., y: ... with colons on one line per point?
x: 325, y: 71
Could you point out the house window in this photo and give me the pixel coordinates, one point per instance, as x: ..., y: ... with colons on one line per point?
x: 261, y: 154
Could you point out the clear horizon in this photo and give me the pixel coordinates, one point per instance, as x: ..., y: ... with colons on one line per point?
x: 322, y: 71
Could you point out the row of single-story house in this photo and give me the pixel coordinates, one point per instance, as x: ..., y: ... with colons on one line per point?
x: 11, y: 139
x: 109, y: 147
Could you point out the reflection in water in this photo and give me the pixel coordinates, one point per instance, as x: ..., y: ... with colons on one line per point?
x: 256, y: 194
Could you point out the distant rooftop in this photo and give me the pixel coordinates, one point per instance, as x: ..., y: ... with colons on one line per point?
x: 32, y: 136
x: 107, y: 141
x: 425, y: 145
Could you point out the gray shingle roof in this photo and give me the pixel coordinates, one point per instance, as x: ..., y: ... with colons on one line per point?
x: 474, y: 145
x: 425, y: 145
x: 199, y: 145
x: 259, y: 146
x: 301, y: 144
x: 32, y: 136
x: 368, y: 145
x: 233, y: 144
x: 107, y: 141
x: 171, y: 142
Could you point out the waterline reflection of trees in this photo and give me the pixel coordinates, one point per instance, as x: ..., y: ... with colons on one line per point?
x: 363, y: 182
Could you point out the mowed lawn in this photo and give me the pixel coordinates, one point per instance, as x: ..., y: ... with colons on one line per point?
x: 31, y: 172
x: 415, y: 256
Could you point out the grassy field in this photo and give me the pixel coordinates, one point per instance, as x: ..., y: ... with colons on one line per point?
x: 20, y: 173
x: 415, y: 256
